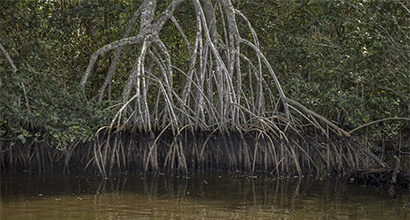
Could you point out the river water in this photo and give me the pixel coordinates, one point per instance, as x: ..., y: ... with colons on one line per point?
x: 212, y: 195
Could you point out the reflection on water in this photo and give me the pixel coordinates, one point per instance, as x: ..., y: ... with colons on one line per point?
x: 211, y: 195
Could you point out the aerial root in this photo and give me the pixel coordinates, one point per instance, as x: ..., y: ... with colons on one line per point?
x: 253, y: 151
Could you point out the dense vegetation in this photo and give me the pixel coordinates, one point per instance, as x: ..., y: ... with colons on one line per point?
x: 346, y: 60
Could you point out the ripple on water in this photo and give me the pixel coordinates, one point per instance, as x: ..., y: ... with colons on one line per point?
x: 222, y: 197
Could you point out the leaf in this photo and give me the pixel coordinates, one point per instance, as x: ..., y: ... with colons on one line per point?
x: 312, y: 2
x: 22, y: 138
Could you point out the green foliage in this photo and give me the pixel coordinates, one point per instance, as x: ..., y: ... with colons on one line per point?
x: 51, y: 44
x: 347, y: 60
x: 53, y: 112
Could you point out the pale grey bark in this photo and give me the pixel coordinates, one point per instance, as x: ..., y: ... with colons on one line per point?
x: 193, y: 57
x: 166, y: 15
x: 208, y: 95
x: 276, y: 80
x: 120, y: 43
x: 13, y: 67
x: 117, y: 55
x: 26, y: 98
x: 179, y: 28
x: 209, y: 12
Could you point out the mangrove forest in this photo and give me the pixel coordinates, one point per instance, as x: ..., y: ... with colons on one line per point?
x: 280, y: 88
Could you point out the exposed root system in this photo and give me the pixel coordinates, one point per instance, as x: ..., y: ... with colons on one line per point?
x: 385, y: 177
x: 224, y: 109
x: 192, y: 151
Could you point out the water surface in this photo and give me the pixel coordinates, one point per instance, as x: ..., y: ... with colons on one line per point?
x: 206, y: 196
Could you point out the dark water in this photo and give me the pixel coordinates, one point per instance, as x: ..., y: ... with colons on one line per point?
x: 207, y: 196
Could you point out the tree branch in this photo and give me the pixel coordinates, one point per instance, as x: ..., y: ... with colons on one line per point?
x: 14, y: 68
